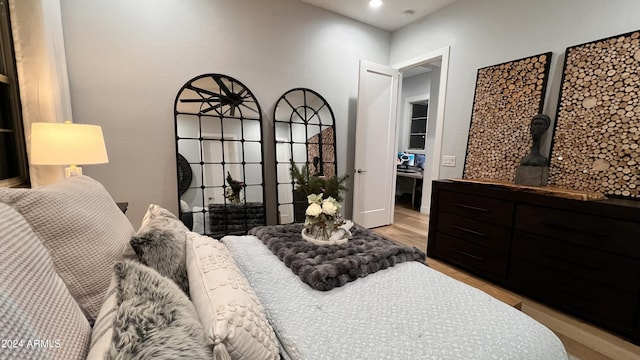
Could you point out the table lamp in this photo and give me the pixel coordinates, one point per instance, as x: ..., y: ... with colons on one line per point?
x: 67, y: 144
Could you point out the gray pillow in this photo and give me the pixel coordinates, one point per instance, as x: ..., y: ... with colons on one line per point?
x: 35, y: 304
x: 83, y: 229
x: 160, y: 244
x: 154, y: 318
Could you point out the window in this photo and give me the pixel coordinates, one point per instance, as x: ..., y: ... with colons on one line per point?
x: 418, y: 128
x: 13, y: 159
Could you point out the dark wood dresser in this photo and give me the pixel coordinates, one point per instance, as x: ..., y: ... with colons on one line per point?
x: 582, y: 257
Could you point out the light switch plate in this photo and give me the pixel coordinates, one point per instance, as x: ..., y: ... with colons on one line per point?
x: 449, y: 160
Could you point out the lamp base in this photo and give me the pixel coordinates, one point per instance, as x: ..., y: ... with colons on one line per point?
x: 72, y: 171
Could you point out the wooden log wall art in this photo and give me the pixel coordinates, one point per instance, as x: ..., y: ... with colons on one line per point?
x: 506, y: 97
x: 597, y: 131
x: 327, y: 156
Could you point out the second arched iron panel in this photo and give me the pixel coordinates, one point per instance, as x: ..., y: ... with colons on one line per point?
x: 304, y: 127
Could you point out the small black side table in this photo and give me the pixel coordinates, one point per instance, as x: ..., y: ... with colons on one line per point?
x: 123, y: 206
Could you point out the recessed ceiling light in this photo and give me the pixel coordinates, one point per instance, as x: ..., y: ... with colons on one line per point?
x: 375, y: 3
x: 408, y: 13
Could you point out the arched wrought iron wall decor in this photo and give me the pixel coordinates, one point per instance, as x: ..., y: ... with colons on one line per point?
x: 218, y: 124
x: 304, y: 127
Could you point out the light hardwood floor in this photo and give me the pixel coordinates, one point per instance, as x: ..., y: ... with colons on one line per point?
x: 582, y: 340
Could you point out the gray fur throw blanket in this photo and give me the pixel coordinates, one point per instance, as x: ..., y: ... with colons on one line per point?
x: 326, y: 267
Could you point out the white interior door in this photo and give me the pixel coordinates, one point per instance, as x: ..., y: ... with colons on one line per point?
x: 374, y: 175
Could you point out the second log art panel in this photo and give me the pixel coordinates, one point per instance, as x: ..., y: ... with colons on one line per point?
x: 506, y: 97
x: 597, y: 132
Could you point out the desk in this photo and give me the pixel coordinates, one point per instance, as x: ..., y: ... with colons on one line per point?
x: 415, y: 176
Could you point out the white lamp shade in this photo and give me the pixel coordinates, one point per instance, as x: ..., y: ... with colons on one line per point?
x: 67, y: 144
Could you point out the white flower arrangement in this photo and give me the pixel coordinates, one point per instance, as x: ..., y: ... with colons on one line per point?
x: 322, y: 217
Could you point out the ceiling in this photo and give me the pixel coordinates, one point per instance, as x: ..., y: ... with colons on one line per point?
x: 392, y: 15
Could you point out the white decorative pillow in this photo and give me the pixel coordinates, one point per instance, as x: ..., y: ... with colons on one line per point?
x: 147, y: 316
x: 231, y: 313
x: 102, y: 332
x: 83, y: 229
x: 159, y: 243
x: 39, y: 319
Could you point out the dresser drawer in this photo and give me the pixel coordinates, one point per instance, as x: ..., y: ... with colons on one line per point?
x: 489, y: 235
x: 607, y: 269
x: 480, y: 208
x: 611, y: 235
x: 605, y: 306
x: 471, y: 256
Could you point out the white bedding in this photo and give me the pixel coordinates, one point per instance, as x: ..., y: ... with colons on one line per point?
x: 405, y: 312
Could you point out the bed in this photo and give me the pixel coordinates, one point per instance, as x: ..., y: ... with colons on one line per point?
x: 407, y: 311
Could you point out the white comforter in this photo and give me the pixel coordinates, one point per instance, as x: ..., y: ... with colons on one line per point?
x: 405, y: 312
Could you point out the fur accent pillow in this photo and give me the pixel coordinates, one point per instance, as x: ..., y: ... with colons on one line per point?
x: 154, y: 318
x: 231, y: 313
x: 160, y: 242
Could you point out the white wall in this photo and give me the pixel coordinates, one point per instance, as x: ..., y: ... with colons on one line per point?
x: 128, y: 59
x: 488, y: 32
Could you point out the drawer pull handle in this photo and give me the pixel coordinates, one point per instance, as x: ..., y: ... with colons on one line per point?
x: 571, y: 261
x: 571, y: 229
x: 469, y: 255
x: 469, y: 207
x: 585, y: 299
x: 469, y: 231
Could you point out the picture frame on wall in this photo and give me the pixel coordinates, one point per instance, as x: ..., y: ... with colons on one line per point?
x: 596, y: 146
x: 506, y: 97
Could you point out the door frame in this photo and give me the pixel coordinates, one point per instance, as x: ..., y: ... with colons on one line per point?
x: 442, y: 55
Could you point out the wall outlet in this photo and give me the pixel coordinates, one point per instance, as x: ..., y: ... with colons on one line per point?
x: 448, y: 160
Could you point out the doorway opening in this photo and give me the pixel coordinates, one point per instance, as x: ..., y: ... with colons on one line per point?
x: 422, y: 91
x: 412, y: 134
